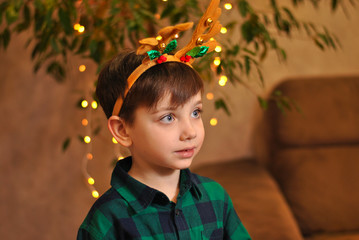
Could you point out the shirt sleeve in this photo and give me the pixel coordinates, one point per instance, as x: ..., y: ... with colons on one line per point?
x: 94, y: 234
x: 233, y: 227
x: 97, y: 226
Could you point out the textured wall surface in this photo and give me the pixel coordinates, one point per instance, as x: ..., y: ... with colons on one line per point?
x: 43, y: 193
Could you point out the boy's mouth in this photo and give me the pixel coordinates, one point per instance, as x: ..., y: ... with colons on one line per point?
x: 186, y: 153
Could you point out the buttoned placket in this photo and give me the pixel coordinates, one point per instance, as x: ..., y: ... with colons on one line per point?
x: 180, y: 220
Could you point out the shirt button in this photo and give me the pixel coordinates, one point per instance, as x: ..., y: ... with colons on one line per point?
x: 177, y: 212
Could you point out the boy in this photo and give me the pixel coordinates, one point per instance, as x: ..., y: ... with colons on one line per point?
x: 154, y: 109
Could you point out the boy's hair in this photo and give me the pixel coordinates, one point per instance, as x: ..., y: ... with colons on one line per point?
x: 178, y: 79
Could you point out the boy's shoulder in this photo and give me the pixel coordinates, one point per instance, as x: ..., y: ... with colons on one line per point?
x: 104, y: 206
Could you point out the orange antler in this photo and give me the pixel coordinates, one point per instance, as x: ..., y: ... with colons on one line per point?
x: 199, y: 38
x: 165, y: 35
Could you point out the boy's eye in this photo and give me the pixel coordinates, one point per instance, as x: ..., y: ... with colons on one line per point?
x: 196, y: 113
x: 167, y: 119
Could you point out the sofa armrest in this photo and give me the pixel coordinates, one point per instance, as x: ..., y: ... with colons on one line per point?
x: 256, y: 198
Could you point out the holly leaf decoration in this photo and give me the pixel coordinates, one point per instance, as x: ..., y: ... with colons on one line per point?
x: 171, y: 46
x: 153, y: 54
x: 197, y: 52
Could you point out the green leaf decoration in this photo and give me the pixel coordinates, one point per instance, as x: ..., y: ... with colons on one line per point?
x: 194, y: 51
x: 153, y: 54
x: 202, y: 51
x: 171, y: 46
x: 197, y: 52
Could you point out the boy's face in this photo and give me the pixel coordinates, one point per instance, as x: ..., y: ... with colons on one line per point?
x: 167, y: 138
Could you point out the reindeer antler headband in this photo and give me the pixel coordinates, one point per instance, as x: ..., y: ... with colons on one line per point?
x: 158, y: 49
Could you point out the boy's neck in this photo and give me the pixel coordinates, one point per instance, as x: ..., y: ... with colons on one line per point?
x: 166, y: 182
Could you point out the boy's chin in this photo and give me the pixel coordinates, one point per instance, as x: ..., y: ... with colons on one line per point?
x: 184, y: 163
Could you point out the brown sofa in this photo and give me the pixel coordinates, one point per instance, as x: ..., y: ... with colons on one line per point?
x: 303, y: 182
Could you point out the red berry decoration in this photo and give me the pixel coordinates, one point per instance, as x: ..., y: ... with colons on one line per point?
x: 161, y: 59
x: 183, y: 59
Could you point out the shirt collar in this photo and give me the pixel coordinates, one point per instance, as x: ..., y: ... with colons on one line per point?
x: 138, y: 195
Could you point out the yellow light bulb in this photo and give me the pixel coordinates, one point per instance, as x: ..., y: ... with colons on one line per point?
x: 95, y: 194
x: 76, y: 26
x: 211, y: 39
x: 87, y: 139
x: 84, y: 103
x: 91, y: 181
x: 94, y: 104
x: 159, y: 38
x: 224, y: 78
x: 223, y: 81
x: 85, y: 122
x: 81, y: 29
x: 82, y: 68
x: 228, y: 6
x: 223, y: 30
x: 213, y: 121
x: 120, y: 158
x: 218, y: 49
x: 210, y: 96
x: 89, y: 156
x: 217, y: 61
x: 114, y: 140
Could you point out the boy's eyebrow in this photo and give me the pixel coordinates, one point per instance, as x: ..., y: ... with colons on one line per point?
x: 171, y: 108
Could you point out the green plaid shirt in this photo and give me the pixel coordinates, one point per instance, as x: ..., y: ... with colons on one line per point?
x: 132, y: 210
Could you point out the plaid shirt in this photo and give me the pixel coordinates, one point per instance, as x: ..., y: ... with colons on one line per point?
x: 132, y: 210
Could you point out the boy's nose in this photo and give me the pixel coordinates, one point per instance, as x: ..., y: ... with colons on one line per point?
x: 188, y: 131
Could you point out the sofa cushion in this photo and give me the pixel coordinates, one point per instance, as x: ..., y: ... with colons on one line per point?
x: 256, y: 198
x: 321, y: 185
x: 338, y: 236
x: 330, y: 112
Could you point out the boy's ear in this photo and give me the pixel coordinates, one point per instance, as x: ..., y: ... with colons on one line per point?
x: 118, y: 129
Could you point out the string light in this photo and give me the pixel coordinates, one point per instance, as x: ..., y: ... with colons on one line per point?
x: 81, y: 29
x: 227, y: 6
x: 77, y: 26
x: 82, y: 68
x: 84, y: 122
x: 95, y: 194
x: 213, y: 121
x: 120, y: 158
x: 217, y: 61
x: 222, y: 81
x: 210, y: 96
x: 159, y: 38
x: 94, y: 105
x: 218, y: 49
x: 91, y: 181
x: 84, y: 103
x: 87, y: 139
x: 223, y: 30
